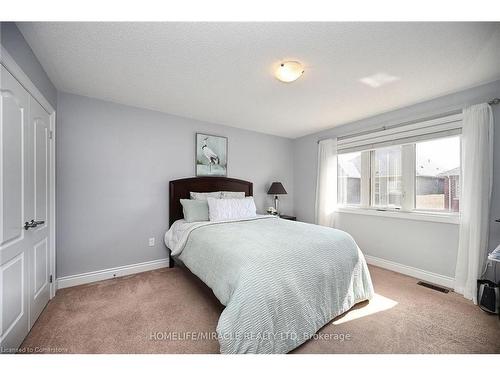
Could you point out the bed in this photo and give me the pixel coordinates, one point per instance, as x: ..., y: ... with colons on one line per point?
x: 279, y: 280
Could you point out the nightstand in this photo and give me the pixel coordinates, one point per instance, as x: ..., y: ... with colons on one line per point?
x: 287, y: 217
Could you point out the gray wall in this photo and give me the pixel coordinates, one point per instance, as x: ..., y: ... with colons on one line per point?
x: 428, y: 246
x: 114, y: 163
x: 13, y: 41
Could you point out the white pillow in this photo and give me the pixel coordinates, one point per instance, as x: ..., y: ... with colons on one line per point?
x: 204, y: 196
x: 232, y: 194
x: 231, y: 209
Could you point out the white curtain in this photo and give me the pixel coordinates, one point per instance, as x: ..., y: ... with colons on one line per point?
x: 477, y: 179
x: 326, y: 186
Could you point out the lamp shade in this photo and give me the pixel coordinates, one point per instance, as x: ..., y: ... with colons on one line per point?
x: 276, y: 188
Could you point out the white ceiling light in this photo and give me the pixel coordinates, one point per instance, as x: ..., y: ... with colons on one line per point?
x: 289, y: 71
x: 378, y: 80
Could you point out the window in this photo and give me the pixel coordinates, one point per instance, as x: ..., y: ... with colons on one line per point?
x: 416, y: 169
x: 386, y: 178
x: 438, y: 175
x: 349, y: 179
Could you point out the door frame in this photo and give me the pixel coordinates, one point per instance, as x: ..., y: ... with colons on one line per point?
x: 10, y: 64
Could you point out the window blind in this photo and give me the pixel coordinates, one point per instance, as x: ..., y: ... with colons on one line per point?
x: 398, y: 135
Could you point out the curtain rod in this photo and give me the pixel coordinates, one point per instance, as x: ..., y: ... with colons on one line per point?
x: 491, y: 102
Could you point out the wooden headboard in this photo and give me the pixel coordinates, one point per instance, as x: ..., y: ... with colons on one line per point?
x: 179, y: 189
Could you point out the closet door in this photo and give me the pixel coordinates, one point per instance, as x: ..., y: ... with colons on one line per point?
x: 24, y: 208
x: 16, y: 207
x: 39, y: 245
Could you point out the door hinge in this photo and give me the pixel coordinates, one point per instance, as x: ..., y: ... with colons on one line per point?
x: 50, y: 279
x: 51, y: 134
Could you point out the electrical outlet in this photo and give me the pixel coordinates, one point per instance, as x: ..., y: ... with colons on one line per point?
x: 151, y: 241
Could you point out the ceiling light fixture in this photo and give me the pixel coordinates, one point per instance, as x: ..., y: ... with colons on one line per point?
x: 289, y: 71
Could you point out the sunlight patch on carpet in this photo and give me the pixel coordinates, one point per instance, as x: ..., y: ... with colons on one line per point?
x: 377, y: 304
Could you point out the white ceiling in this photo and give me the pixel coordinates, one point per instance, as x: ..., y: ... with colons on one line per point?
x: 223, y: 72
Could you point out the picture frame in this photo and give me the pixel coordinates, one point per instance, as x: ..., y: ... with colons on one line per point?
x: 210, y: 155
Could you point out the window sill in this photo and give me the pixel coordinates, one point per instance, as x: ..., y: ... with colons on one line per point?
x: 419, y: 216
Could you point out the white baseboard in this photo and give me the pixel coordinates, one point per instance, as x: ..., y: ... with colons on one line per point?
x: 418, y: 273
x: 110, y: 273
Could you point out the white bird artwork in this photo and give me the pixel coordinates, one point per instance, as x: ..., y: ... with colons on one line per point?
x: 209, y: 154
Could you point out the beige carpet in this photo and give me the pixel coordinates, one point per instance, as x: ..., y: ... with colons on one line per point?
x: 136, y: 314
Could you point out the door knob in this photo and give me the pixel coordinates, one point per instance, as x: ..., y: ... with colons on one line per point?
x: 33, y: 224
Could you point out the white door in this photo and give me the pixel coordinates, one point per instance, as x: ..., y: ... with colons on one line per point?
x: 24, y: 249
x: 39, y: 258
x: 15, y: 210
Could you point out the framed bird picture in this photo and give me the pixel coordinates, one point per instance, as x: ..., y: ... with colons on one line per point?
x: 211, y: 155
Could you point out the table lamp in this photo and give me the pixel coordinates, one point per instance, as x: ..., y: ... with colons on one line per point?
x: 276, y: 189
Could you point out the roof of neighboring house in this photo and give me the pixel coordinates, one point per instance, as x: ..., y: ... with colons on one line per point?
x: 429, y: 168
x: 450, y: 172
x: 350, y: 166
x: 350, y: 169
